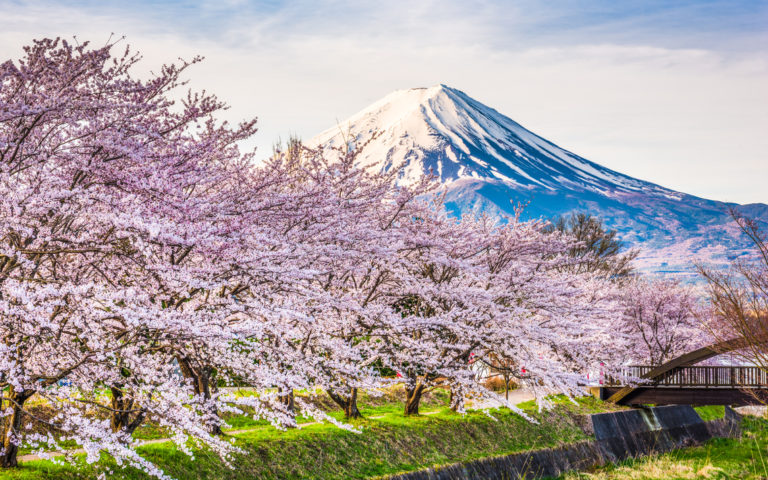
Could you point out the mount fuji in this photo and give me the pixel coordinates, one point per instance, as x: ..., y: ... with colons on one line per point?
x: 489, y: 162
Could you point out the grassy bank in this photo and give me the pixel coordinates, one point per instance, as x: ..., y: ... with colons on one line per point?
x: 721, y: 458
x: 388, y: 444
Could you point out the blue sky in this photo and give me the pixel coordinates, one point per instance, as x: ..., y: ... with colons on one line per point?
x: 671, y: 92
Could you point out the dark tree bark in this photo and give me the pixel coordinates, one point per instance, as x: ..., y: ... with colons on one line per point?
x: 125, y: 417
x: 11, y: 426
x: 412, y: 398
x: 288, y: 402
x: 201, y: 377
x: 348, y: 403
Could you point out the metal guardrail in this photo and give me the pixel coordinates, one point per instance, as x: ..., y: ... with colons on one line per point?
x: 696, y: 376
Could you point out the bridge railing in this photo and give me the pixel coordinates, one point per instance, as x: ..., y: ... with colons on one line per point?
x: 697, y: 376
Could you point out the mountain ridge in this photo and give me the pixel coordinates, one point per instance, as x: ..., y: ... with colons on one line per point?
x: 490, y: 162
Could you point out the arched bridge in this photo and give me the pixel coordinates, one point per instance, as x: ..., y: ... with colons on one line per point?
x: 681, y: 382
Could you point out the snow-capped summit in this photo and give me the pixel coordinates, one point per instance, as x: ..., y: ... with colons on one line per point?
x: 456, y: 137
x: 488, y: 161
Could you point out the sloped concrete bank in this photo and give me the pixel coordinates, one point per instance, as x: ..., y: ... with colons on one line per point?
x: 617, y: 436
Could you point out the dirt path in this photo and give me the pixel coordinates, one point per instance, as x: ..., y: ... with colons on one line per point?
x: 516, y: 397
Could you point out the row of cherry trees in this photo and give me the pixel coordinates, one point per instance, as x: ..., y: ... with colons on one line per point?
x: 146, y: 261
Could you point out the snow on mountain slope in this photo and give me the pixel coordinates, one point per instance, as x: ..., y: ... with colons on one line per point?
x: 488, y: 161
x: 443, y: 129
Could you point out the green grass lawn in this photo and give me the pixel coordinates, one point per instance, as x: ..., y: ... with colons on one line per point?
x: 387, y: 445
x: 720, y: 458
x: 710, y: 412
x: 391, y: 443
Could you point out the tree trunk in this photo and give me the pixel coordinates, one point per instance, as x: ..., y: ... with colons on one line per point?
x: 201, y: 382
x: 412, y: 398
x: 347, y: 403
x: 351, y: 411
x: 11, y: 427
x: 288, y: 402
x: 457, y: 399
x: 122, y: 410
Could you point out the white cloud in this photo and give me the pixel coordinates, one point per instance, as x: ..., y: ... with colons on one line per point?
x: 683, y: 114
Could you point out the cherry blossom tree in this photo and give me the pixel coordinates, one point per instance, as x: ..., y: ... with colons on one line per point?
x: 101, y: 174
x: 462, y: 288
x: 557, y: 319
x: 357, y: 274
x: 477, y: 288
x: 663, y: 318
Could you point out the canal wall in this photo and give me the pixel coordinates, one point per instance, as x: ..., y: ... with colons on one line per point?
x: 617, y: 436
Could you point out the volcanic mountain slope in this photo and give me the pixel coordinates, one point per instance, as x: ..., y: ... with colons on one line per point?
x: 489, y: 162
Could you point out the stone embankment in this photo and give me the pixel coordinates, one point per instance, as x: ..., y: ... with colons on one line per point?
x: 616, y: 436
